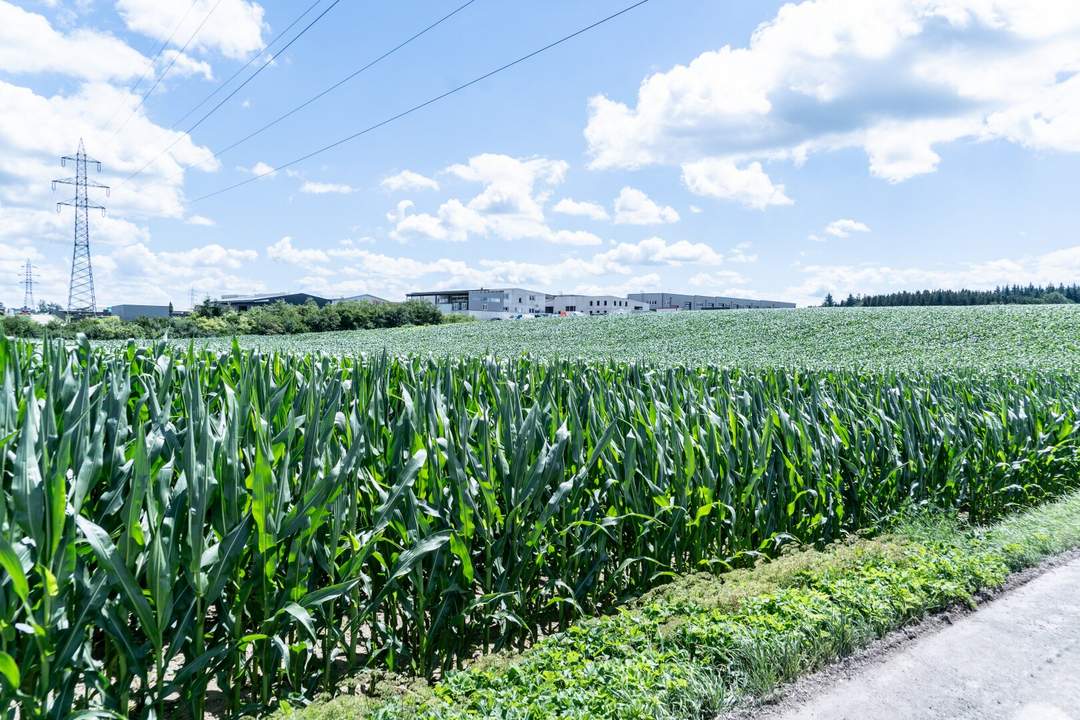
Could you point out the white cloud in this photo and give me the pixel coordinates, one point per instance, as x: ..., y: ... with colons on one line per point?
x: 322, y: 188
x: 574, y: 237
x: 510, y: 205
x: 29, y: 44
x: 346, y: 269
x: 696, y: 210
x: 657, y: 251
x: 409, y: 180
x: 284, y: 251
x: 185, y: 65
x: 720, y: 282
x: 568, y: 206
x: 722, y: 178
x: 633, y: 207
x: 261, y: 169
x: 35, y: 131
x: 740, y: 254
x: 844, y: 227
x: 235, y: 28
x: 896, y: 78
x: 1053, y: 267
x: 200, y: 220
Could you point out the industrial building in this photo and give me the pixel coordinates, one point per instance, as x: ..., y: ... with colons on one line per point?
x: 363, y: 297
x: 127, y: 313
x: 592, y: 305
x: 485, y: 302
x: 658, y: 301
x: 246, y: 302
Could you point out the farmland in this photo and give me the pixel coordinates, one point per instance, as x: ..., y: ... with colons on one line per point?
x: 257, y: 525
x: 930, y: 339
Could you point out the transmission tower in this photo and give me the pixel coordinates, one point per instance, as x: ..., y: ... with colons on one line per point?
x: 28, y: 288
x: 81, y: 298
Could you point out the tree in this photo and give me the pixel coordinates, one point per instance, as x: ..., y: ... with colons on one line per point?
x: 829, y: 302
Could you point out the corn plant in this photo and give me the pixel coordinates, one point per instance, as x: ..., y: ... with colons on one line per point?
x: 180, y: 527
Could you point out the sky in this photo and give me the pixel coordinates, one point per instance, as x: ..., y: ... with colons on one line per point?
x: 738, y: 147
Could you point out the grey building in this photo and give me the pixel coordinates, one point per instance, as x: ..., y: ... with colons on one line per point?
x: 485, y: 302
x: 127, y: 313
x: 363, y: 297
x: 592, y: 305
x: 678, y: 301
x: 241, y: 303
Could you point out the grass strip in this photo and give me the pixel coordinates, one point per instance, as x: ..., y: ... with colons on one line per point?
x: 704, y: 644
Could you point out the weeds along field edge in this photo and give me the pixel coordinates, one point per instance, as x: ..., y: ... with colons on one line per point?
x: 270, y: 523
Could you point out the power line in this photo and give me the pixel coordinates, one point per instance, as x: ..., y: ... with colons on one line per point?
x: 153, y: 61
x: 238, y: 88
x: 168, y: 67
x: 424, y: 104
x: 246, y: 65
x: 341, y: 82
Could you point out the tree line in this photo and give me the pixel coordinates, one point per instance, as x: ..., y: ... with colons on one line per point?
x: 1002, y: 295
x: 209, y: 320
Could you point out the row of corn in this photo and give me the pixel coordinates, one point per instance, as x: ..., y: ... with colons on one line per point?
x: 189, y: 532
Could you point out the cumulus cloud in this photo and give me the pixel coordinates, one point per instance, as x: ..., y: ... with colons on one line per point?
x: 185, y: 65
x: 235, y: 29
x: 844, y: 227
x: 1053, y: 267
x: 348, y: 268
x: 509, y: 206
x: 409, y: 180
x: 634, y: 207
x: 200, y: 220
x: 36, y: 130
x: 896, y: 78
x: 312, y: 187
x: 261, y: 169
x: 722, y: 178
x: 284, y: 251
x: 30, y: 44
x: 591, y: 210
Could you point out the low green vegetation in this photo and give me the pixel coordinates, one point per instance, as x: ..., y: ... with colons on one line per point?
x: 209, y: 321
x: 273, y: 523
x: 936, y: 340
x: 707, y: 643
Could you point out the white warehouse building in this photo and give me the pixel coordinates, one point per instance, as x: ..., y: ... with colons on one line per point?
x: 592, y: 305
x: 485, y: 302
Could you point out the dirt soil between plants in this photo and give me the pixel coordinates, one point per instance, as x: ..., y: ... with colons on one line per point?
x: 1016, y: 657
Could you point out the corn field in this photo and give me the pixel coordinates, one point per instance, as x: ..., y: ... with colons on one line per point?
x: 180, y: 528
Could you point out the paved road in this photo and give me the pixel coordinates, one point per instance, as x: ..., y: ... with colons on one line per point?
x: 1017, y: 658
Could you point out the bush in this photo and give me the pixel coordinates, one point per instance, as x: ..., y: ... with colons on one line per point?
x: 20, y: 326
x: 210, y: 320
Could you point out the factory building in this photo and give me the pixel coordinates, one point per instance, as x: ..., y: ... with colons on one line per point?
x: 241, y: 303
x: 658, y: 301
x: 127, y: 313
x: 592, y: 305
x: 485, y: 302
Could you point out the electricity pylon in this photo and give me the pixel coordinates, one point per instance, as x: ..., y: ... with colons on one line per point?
x: 81, y: 297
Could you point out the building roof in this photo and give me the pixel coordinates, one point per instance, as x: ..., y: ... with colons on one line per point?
x: 260, y: 297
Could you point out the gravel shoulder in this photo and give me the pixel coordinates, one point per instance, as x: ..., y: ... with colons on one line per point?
x: 1016, y: 657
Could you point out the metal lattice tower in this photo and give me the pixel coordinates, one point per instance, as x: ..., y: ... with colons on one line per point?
x: 81, y: 298
x: 28, y: 288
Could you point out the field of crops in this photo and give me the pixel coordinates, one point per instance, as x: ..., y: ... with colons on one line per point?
x: 249, y: 527
x: 933, y: 339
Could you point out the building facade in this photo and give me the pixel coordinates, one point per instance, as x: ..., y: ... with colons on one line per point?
x: 592, y: 305
x: 240, y: 303
x: 127, y: 313
x: 485, y: 302
x: 364, y: 297
x: 675, y: 301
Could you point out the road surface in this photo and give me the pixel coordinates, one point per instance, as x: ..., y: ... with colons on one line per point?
x: 1016, y: 658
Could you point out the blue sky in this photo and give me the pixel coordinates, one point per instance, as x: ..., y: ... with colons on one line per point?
x: 739, y: 147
